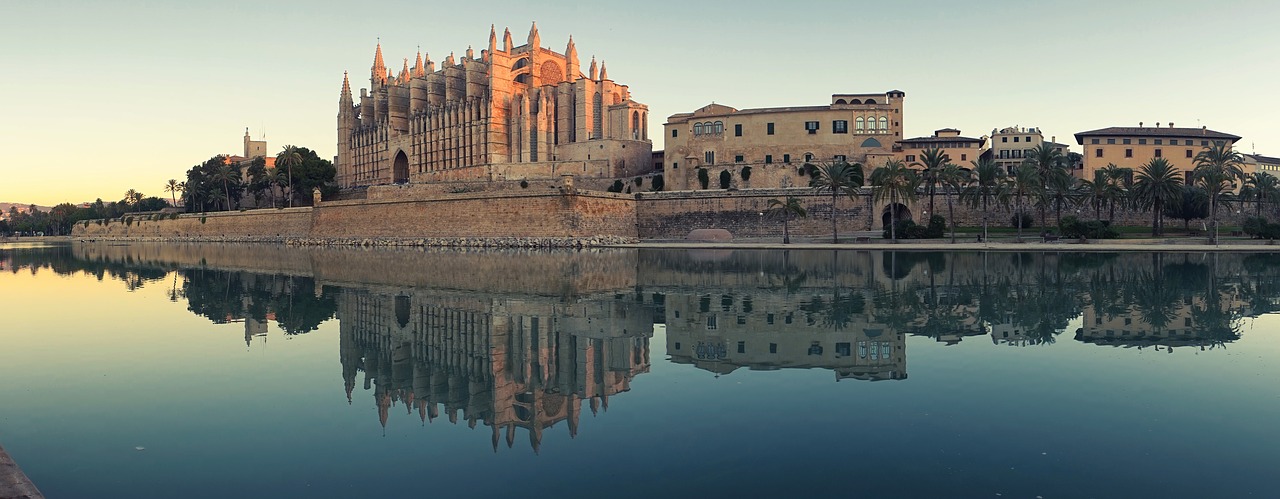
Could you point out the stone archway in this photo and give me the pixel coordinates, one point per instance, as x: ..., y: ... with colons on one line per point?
x: 400, y: 169
x: 900, y: 211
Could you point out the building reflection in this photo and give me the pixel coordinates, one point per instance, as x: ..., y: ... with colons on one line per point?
x: 511, y: 364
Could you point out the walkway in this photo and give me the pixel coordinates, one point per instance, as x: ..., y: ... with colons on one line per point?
x: 14, y: 484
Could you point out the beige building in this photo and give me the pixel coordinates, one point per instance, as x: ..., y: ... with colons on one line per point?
x: 1254, y: 163
x: 962, y: 150
x: 513, y: 113
x: 772, y: 143
x: 1010, y: 146
x: 1132, y: 147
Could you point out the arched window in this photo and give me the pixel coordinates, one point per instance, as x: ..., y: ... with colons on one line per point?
x: 697, y: 128
x: 644, y: 131
x: 871, y: 142
x: 869, y: 101
x: 858, y: 125
x: 635, y: 125
x: 719, y: 128
x: 597, y: 127
x: 855, y: 101
x: 884, y: 124
x: 841, y: 101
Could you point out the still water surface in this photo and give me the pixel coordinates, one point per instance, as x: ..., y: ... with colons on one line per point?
x: 259, y: 371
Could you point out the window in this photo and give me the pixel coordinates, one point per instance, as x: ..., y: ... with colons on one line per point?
x: 808, y: 157
x: 964, y: 157
x: 697, y: 129
x: 1128, y: 153
x: 858, y: 124
x: 1159, y: 153
x: 884, y: 124
x: 768, y: 128
x: 742, y: 347
x: 811, y: 126
x: 737, y: 130
x: 840, y: 126
x: 1097, y: 153
x: 1004, y: 139
x: 844, y: 349
x: 1189, y: 155
x: 1111, y: 141
x: 786, y: 158
x: 709, y: 157
x: 719, y: 128
x: 1142, y: 142
x: 1127, y: 141
x: 711, y: 322
x: 768, y: 159
x: 840, y: 158
x: 674, y: 132
x: 737, y: 159
x: 773, y: 348
x: 1159, y: 141
x: 1015, y: 139
x: 677, y: 345
x: 768, y: 319
x: 1093, y: 141
x: 1204, y: 143
x: 911, y: 157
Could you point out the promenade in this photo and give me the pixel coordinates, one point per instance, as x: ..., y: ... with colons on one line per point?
x: 14, y: 484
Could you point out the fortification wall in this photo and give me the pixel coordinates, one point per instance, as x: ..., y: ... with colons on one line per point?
x: 265, y: 223
x: 671, y: 215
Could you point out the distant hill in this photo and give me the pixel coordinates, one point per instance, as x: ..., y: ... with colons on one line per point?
x: 21, y: 207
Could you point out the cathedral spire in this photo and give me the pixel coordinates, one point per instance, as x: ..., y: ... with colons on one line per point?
x: 346, y: 93
x: 404, y: 72
x: 417, y: 66
x: 591, y: 72
x: 571, y: 61
x: 379, y: 68
x: 506, y: 40
x: 534, y: 40
x: 493, y: 38
x: 604, y: 73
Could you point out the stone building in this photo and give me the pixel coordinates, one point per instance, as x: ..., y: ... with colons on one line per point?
x: 517, y: 112
x: 765, y: 147
x: 1132, y: 147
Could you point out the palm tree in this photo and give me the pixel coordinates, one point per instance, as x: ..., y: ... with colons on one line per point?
x: 1158, y: 184
x: 1025, y: 182
x: 1261, y: 187
x: 785, y: 209
x: 1217, y: 170
x: 1045, y: 158
x: 227, y: 174
x: 182, y: 186
x: 289, y: 158
x: 1122, y: 180
x: 987, y: 184
x: 131, y: 197
x: 1097, y: 192
x: 839, y: 178
x: 952, y: 177
x: 1059, y: 189
x: 171, y: 187
x: 932, y: 160
x: 896, y: 182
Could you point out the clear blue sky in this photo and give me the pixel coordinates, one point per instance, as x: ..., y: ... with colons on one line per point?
x: 106, y: 96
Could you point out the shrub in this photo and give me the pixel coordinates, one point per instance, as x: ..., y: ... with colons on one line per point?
x: 639, y: 181
x: 524, y: 184
x: 726, y: 179
x: 128, y: 221
x: 908, y: 229
x: 1026, y: 219
x: 937, y: 227
x: 746, y: 173
x: 1074, y: 228
x: 703, y: 178
x: 202, y: 220
x: 1254, y: 226
x: 616, y: 187
x: 657, y: 183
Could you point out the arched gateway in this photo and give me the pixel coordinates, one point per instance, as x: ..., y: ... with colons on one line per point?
x: 400, y: 169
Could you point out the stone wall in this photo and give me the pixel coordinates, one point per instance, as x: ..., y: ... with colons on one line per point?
x: 671, y: 215
x: 266, y: 223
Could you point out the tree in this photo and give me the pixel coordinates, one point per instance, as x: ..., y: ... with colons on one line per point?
x: 226, y: 175
x: 932, y: 160
x: 1261, y: 187
x: 1217, y: 170
x: 952, y: 178
x: 1122, y: 181
x: 131, y: 197
x: 838, y: 179
x: 1192, y: 203
x: 171, y: 187
x: 987, y: 184
x: 289, y: 158
x: 895, y: 182
x: 785, y: 209
x: 1046, y: 159
x: 1024, y: 183
x: 1059, y: 189
x: 1158, y: 185
x: 258, y: 179
x: 1097, y: 192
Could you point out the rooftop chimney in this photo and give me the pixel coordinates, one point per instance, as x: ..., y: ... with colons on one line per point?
x: 1170, y: 124
x: 1139, y: 124
x: 1157, y: 124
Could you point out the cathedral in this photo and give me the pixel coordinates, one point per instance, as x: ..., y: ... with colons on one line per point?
x: 513, y: 113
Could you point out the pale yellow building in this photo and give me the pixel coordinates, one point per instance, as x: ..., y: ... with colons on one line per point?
x: 1254, y: 163
x: 1132, y: 147
x: 774, y: 142
x: 962, y: 150
x: 1010, y: 146
x: 512, y: 113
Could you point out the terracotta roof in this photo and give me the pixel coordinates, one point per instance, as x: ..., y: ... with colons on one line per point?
x: 1130, y: 131
x: 953, y: 138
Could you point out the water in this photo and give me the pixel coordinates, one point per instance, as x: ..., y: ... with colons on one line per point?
x: 258, y: 371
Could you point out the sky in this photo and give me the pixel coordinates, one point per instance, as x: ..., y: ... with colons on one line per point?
x: 107, y: 96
